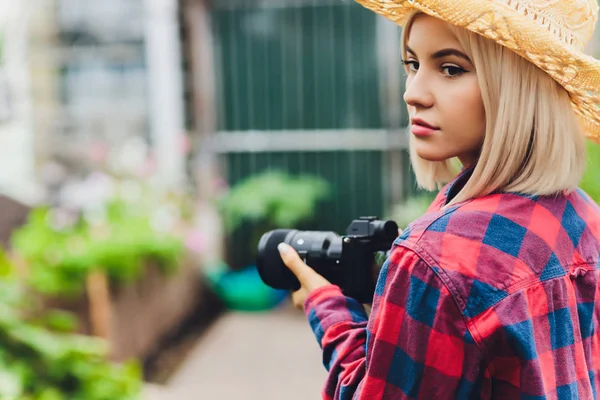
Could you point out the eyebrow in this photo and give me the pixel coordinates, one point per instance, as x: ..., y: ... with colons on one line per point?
x: 443, y: 53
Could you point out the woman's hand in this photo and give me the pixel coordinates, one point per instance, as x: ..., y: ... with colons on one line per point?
x: 309, y: 279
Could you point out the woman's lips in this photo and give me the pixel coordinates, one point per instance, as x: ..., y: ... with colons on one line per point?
x: 421, y: 130
x: 420, y: 127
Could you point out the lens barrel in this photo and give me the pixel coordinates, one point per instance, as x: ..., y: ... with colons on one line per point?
x: 270, y: 266
x: 322, y: 251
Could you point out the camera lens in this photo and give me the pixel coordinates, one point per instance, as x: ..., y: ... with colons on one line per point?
x: 321, y: 250
x: 270, y: 266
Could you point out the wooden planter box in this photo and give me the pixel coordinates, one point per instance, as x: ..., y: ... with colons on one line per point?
x: 144, y: 314
x: 136, y: 318
x: 133, y: 318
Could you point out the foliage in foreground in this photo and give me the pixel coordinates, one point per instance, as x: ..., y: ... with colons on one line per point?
x: 59, y: 257
x: 42, y: 359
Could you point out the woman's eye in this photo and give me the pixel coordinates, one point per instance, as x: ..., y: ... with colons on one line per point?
x: 452, y: 70
x: 412, y: 66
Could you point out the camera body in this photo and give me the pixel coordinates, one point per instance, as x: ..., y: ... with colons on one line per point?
x: 346, y: 261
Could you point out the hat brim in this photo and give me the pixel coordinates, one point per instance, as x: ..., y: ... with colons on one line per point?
x: 577, y: 72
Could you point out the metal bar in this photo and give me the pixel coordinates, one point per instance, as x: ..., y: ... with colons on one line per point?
x: 308, y: 141
x: 388, y: 60
x: 392, y: 107
x: 201, y: 48
x: 204, y: 91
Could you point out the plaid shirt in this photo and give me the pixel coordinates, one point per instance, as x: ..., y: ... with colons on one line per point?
x: 494, y: 297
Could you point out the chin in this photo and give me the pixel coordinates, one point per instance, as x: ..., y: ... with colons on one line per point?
x: 431, y: 154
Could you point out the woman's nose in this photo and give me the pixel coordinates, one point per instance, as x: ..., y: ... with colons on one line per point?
x: 418, y: 91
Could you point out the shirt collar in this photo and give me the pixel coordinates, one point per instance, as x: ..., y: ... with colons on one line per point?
x: 456, y: 185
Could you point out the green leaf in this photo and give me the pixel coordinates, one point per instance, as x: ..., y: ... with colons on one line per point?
x: 61, y: 321
x: 51, y: 394
x: 274, y: 197
x: 11, y: 383
x: 591, y: 179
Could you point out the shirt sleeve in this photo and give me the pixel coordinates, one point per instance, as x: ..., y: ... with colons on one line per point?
x: 415, y: 343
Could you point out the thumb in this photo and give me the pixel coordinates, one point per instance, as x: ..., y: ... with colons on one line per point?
x: 293, y: 261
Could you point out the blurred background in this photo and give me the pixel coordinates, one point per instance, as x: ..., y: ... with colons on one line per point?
x: 145, y: 147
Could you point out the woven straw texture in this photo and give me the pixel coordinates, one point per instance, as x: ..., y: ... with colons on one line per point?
x: 549, y: 33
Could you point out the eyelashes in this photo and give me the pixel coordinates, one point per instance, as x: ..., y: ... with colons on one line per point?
x: 408, y: 63
x: 450, y: 71
x: 453, y: 70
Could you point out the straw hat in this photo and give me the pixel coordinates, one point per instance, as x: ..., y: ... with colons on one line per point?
x: 551, y: 34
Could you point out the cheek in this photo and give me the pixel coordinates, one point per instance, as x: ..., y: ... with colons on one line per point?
x: 478, y: 109
x: 470, y: 111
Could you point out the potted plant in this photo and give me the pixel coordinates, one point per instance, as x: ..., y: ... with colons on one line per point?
x: 267, y: 201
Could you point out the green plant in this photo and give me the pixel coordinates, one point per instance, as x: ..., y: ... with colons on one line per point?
x: 411, y: 209
x: 40, y: 359
x: 59, y: 259
x: 270, y: 200
x: 591, y: 179
x: 273, y: 199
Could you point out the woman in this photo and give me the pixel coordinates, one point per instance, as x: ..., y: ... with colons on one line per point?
x: 492, y: 293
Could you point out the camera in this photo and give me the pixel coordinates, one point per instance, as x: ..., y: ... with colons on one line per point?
x: 346, y: 261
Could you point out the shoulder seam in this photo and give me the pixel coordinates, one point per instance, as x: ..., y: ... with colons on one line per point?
x: 443, y: 214
x: 419, y: 251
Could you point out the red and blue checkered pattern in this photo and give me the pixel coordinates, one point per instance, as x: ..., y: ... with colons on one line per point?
x: 494, y: 297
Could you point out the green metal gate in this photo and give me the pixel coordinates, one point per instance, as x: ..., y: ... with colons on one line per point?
x: 315, y: 71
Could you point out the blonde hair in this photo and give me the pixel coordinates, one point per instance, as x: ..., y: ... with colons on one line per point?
x: 533, y: 142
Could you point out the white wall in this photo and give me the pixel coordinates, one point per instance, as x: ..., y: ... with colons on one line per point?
x: 17, y: 157
x: 165, y: 88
